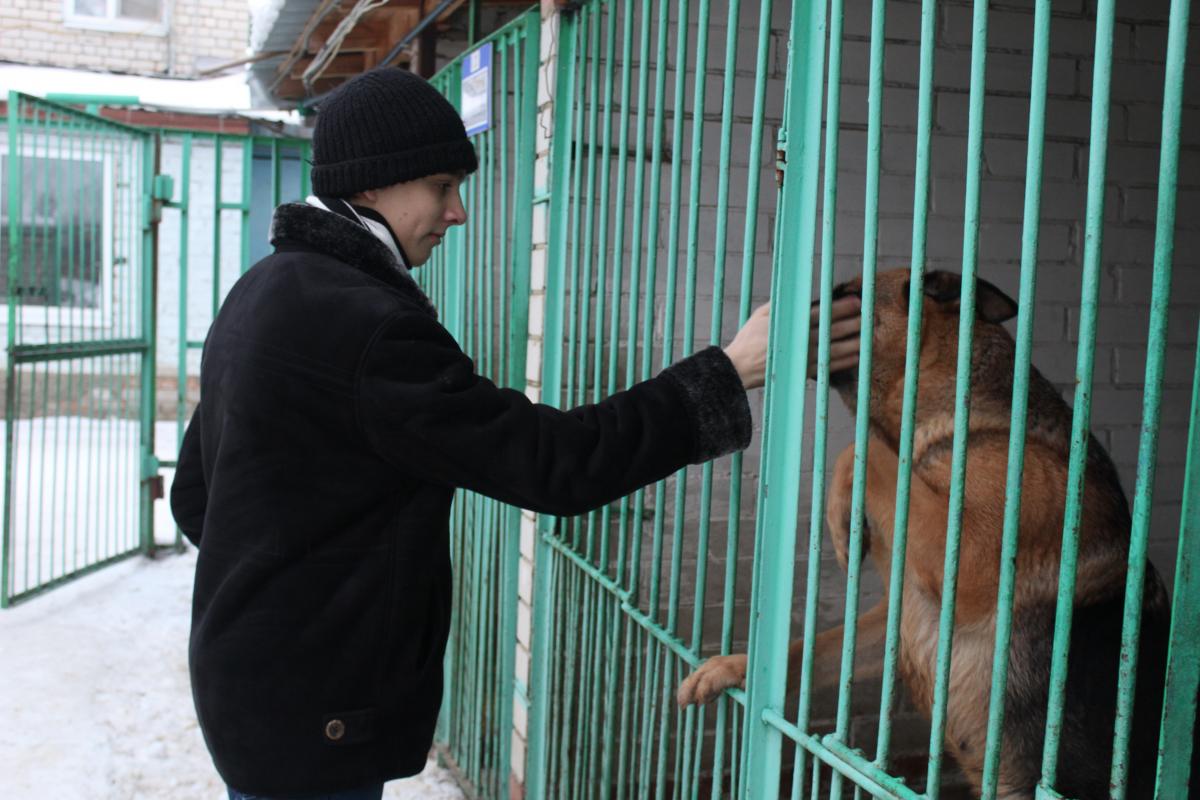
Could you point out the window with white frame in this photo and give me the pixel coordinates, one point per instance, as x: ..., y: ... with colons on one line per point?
x: 129, y: 16
x: 65, y: 229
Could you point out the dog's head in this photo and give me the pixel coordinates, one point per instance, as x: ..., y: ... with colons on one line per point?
x: 940, y: 301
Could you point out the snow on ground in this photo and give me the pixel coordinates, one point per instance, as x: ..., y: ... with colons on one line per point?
x: 94, y: 692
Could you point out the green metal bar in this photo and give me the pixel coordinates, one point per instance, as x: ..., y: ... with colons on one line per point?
x: 483, y: 537
x: 1160, y: 301
x: 719, y: 253
x: 635, y: 267
x: 505, y: 184
x: 64, y: 110
x: 682, y: 19
x: 610, y: 701
x: 912, y: 358
x: 682, y: 748
x: 614, y: 338
x: 67, y: 243
x: 589, y: 227
x: 962, y: 406
x: 276, y: 175
x: 184, y: 206
x: 626, y: 702
x: 12, y: 180
x: 651, y: 244
x: 603, y: 516
x: 54, y: 583
x: 567, y: 705
x: 487, y: 262
x: 597, y: 678
x: 587, y: 656
x: 645, y: 739
x: 63, y: 330
x: 1020, y: 401
x: 542, y: 657
x: 247, y: 197
x: 750, y: 234
x: 65, y: 351
x: 1175, y: 741
x: 844, y: 760
x: 861, y: 445
x: 149, y: 332
x: 305, y: 169
x: 784, y: 405
x: 1081, y: 419
x: 71, y: 98
x: 664, y: 738
x: 590, y: 258
x: 575, y: 292
x: 216, y: 256
x: 691, y: 262
x: 821, y: 421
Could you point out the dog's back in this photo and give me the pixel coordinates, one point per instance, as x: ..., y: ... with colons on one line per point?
x: 1086, y: 739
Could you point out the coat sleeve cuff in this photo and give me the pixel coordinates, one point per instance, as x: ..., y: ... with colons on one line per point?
x: 716, y: 403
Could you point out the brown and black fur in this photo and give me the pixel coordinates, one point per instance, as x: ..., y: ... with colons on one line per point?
x: 1087, y: 737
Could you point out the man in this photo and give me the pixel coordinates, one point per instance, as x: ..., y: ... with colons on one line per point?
x: 336, y: 419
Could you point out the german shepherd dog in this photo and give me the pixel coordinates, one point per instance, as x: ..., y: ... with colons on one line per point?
x: 1087, y: 735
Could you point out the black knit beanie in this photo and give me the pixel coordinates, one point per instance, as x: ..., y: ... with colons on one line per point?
x: 383, y: 127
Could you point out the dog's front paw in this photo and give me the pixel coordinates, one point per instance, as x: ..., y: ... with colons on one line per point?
x: 713, y: 677
x: 839, y: 505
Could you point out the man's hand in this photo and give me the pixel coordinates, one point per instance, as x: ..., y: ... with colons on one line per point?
x: 748, y: 350
x: 843, y: 335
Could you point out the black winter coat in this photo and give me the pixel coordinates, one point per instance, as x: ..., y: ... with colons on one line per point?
x: 336, y: 419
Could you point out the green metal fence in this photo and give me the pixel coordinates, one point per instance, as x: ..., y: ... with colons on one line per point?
x: 479, y: 282
x: 77, y: 242
x: 625, y: 603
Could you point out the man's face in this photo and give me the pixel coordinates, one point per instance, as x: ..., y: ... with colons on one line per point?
x: 419, y: 211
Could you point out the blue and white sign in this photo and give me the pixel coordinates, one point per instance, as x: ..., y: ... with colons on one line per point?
x: 477, y: 90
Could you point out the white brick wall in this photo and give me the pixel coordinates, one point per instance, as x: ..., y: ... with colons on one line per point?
x: 34, y: 32
x: 533, y: 374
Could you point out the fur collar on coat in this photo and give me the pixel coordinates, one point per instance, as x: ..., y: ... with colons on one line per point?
x: 330, y: 234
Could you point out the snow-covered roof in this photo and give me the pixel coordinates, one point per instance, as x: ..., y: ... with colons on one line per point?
x: 275, y: 25
x: 228, y: 94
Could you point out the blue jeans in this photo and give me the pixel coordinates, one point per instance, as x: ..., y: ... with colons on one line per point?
x: 366, y: 793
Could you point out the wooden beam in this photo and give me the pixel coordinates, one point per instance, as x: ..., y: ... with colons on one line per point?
x: 344, y: 64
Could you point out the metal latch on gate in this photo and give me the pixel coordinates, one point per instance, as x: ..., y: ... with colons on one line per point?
x: 162, y: 189
x: 152, y: 476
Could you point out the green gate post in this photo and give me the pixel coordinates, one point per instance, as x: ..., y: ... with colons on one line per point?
x: 148, y: 334
x: 783, y: 415
x: 184, y: 205
x: 13, y: 258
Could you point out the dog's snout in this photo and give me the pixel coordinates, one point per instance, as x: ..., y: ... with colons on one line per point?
x: 844, y: 290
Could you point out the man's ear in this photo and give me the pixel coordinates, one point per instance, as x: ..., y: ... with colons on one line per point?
x: 365, y: 198
x: 991, y: 304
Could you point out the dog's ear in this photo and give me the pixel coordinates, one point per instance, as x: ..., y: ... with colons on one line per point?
x: 991, y: 304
